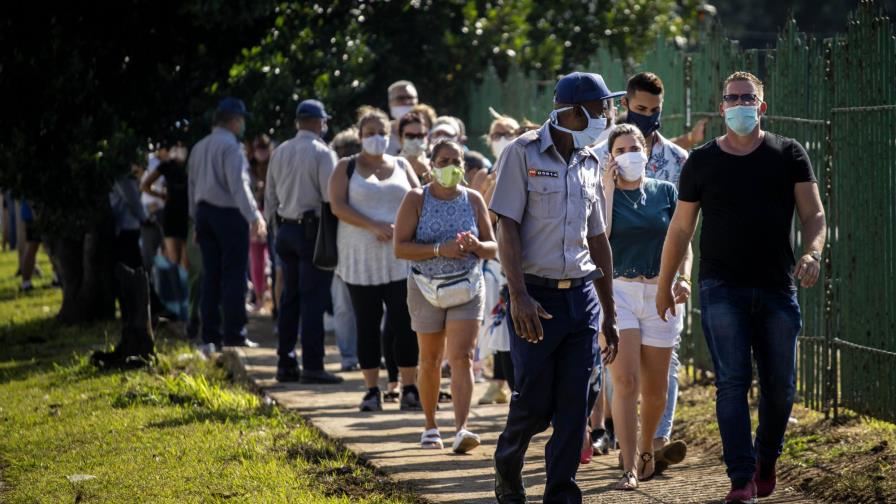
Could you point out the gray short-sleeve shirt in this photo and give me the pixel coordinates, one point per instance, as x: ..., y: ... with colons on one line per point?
x: 558, y: 205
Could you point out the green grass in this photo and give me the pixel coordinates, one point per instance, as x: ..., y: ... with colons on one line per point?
x: 852, y: 459
x: 178, y: 432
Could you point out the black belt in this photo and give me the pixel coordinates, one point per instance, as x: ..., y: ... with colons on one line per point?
x: 552, y: 283
x: 284, y: 220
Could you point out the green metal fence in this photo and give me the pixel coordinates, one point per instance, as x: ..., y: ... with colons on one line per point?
x: 837, y: 97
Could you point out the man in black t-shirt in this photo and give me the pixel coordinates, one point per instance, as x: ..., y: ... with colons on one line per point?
x: 747, y: 183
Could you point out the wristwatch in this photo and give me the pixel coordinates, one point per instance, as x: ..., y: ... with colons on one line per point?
x: 815, y: 255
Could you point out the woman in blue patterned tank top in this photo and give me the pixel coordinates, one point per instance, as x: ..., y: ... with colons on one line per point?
x: 444, y: 229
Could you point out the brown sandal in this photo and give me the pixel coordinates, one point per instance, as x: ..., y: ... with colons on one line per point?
x: 646, y: 458
x: 627, y: 482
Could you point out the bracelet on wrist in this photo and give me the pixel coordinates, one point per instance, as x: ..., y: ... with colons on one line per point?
x: 436, y: 248
x: 685, y: 279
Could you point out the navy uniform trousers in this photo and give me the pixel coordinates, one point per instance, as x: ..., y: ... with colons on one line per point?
x: 551, y: 389
x: 305, y: 297
x: 223, y: 236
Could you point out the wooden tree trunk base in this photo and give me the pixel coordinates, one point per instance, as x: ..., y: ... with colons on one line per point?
x: 137, y: 345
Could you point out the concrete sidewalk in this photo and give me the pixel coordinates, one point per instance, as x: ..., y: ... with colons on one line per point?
x: 390, y: 441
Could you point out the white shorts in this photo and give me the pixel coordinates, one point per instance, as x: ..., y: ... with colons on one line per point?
x: 636, y: 309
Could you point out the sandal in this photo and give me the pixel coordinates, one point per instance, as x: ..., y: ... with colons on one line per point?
x: 444, y: 397
x: 431, y: 440
x: 646, y: 458
x: 627, y: 482
x: 391, y: 396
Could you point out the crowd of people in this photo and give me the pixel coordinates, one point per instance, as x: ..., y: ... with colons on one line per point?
x: 560, y: 261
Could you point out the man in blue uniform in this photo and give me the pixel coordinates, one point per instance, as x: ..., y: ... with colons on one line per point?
x: 554, y: 251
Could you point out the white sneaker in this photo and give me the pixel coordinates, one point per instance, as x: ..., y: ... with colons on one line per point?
x: 206, y: 350
x: 465, y: 441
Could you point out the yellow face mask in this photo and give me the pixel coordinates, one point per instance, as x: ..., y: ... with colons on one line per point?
x: 448, y: 176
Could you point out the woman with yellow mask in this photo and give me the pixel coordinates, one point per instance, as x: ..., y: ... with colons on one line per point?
x: 444, y: 230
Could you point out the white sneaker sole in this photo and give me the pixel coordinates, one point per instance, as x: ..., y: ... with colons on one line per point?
x: 467, y: 444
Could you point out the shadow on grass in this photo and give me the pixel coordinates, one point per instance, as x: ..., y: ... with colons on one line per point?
x: 43, y: 344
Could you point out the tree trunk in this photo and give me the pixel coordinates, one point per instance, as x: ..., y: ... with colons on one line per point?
x: 136, y: 346
x: 86, y: 271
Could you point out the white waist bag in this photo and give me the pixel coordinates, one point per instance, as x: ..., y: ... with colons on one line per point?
x: 449, y: 290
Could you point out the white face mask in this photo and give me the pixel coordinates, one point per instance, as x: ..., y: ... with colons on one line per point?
x: 398, y: 111
x: 499, y: 145
x: 375, y: 145
x: 585, y: 137
x: 631, y: 165
x: 414, y: 147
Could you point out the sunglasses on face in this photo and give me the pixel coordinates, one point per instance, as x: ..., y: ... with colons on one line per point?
x: 414, y: 136
x: 743, y: 98
x: 498, y: 136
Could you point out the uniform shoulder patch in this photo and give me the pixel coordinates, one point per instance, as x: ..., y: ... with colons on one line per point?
x: 528, y: 137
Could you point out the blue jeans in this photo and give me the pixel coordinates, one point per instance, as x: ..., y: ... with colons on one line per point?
x: 344, y: 322
x: 552, y: 389
x: 223, y: 236
x: 306, y: 294
x: 739, y: 322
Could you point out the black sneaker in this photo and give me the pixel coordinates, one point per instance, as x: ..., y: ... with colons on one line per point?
x: 373, y: 400
x: 288, y: 373
x: 410, y: 398
x: 320, y: 377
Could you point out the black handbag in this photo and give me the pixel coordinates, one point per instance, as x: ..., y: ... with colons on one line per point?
x: 326, y: 255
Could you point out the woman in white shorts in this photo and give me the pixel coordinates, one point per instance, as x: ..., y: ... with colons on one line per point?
x: 445, y: 231
x: 639, y: 211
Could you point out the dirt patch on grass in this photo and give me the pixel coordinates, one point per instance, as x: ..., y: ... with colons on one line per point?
x: 852, y: 459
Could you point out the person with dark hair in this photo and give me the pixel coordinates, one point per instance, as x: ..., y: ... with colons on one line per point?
x: 748, y: 274
x: 637, y: 219
x: 365, y: 193
x: 444, y: 230
x: 643, y: 102
x: 413, y: 133
x: 260, y: 155
x: 176, y: 210
x: 474, y: 164
x: 224, y: 211
x: 296, y: 186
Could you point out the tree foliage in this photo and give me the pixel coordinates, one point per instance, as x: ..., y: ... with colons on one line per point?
x: 87, y: 84
x: 346, y: 53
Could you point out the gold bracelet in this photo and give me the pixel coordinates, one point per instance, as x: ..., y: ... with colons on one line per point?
x: 685, y: 279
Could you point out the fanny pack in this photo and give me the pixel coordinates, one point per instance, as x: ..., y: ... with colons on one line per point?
x: 449, y: 290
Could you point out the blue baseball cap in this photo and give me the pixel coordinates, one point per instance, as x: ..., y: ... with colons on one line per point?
x: 232, y: 105
x: 580, y: 87
x: 311, y: 108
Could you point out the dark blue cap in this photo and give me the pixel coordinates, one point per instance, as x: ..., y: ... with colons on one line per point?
x: 580, y: 87
x: 311, y: 108
x: 232, y: 105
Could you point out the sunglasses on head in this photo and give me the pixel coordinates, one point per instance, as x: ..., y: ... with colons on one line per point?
x: 744, y: 98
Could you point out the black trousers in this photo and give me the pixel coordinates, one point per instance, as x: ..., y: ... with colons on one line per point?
x: 367, y: 301
x: 504, y: 368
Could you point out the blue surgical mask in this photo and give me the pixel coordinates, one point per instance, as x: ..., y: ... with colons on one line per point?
x: 742, y: 120
x: 585, y: 137
x: 646, y: 123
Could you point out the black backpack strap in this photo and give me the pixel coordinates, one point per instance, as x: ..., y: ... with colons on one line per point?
x: 350, y: 169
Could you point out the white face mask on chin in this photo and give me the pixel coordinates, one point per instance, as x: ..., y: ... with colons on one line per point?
x: 585, y: 137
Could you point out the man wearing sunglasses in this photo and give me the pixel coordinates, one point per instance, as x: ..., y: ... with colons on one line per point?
x: 747, y: 183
